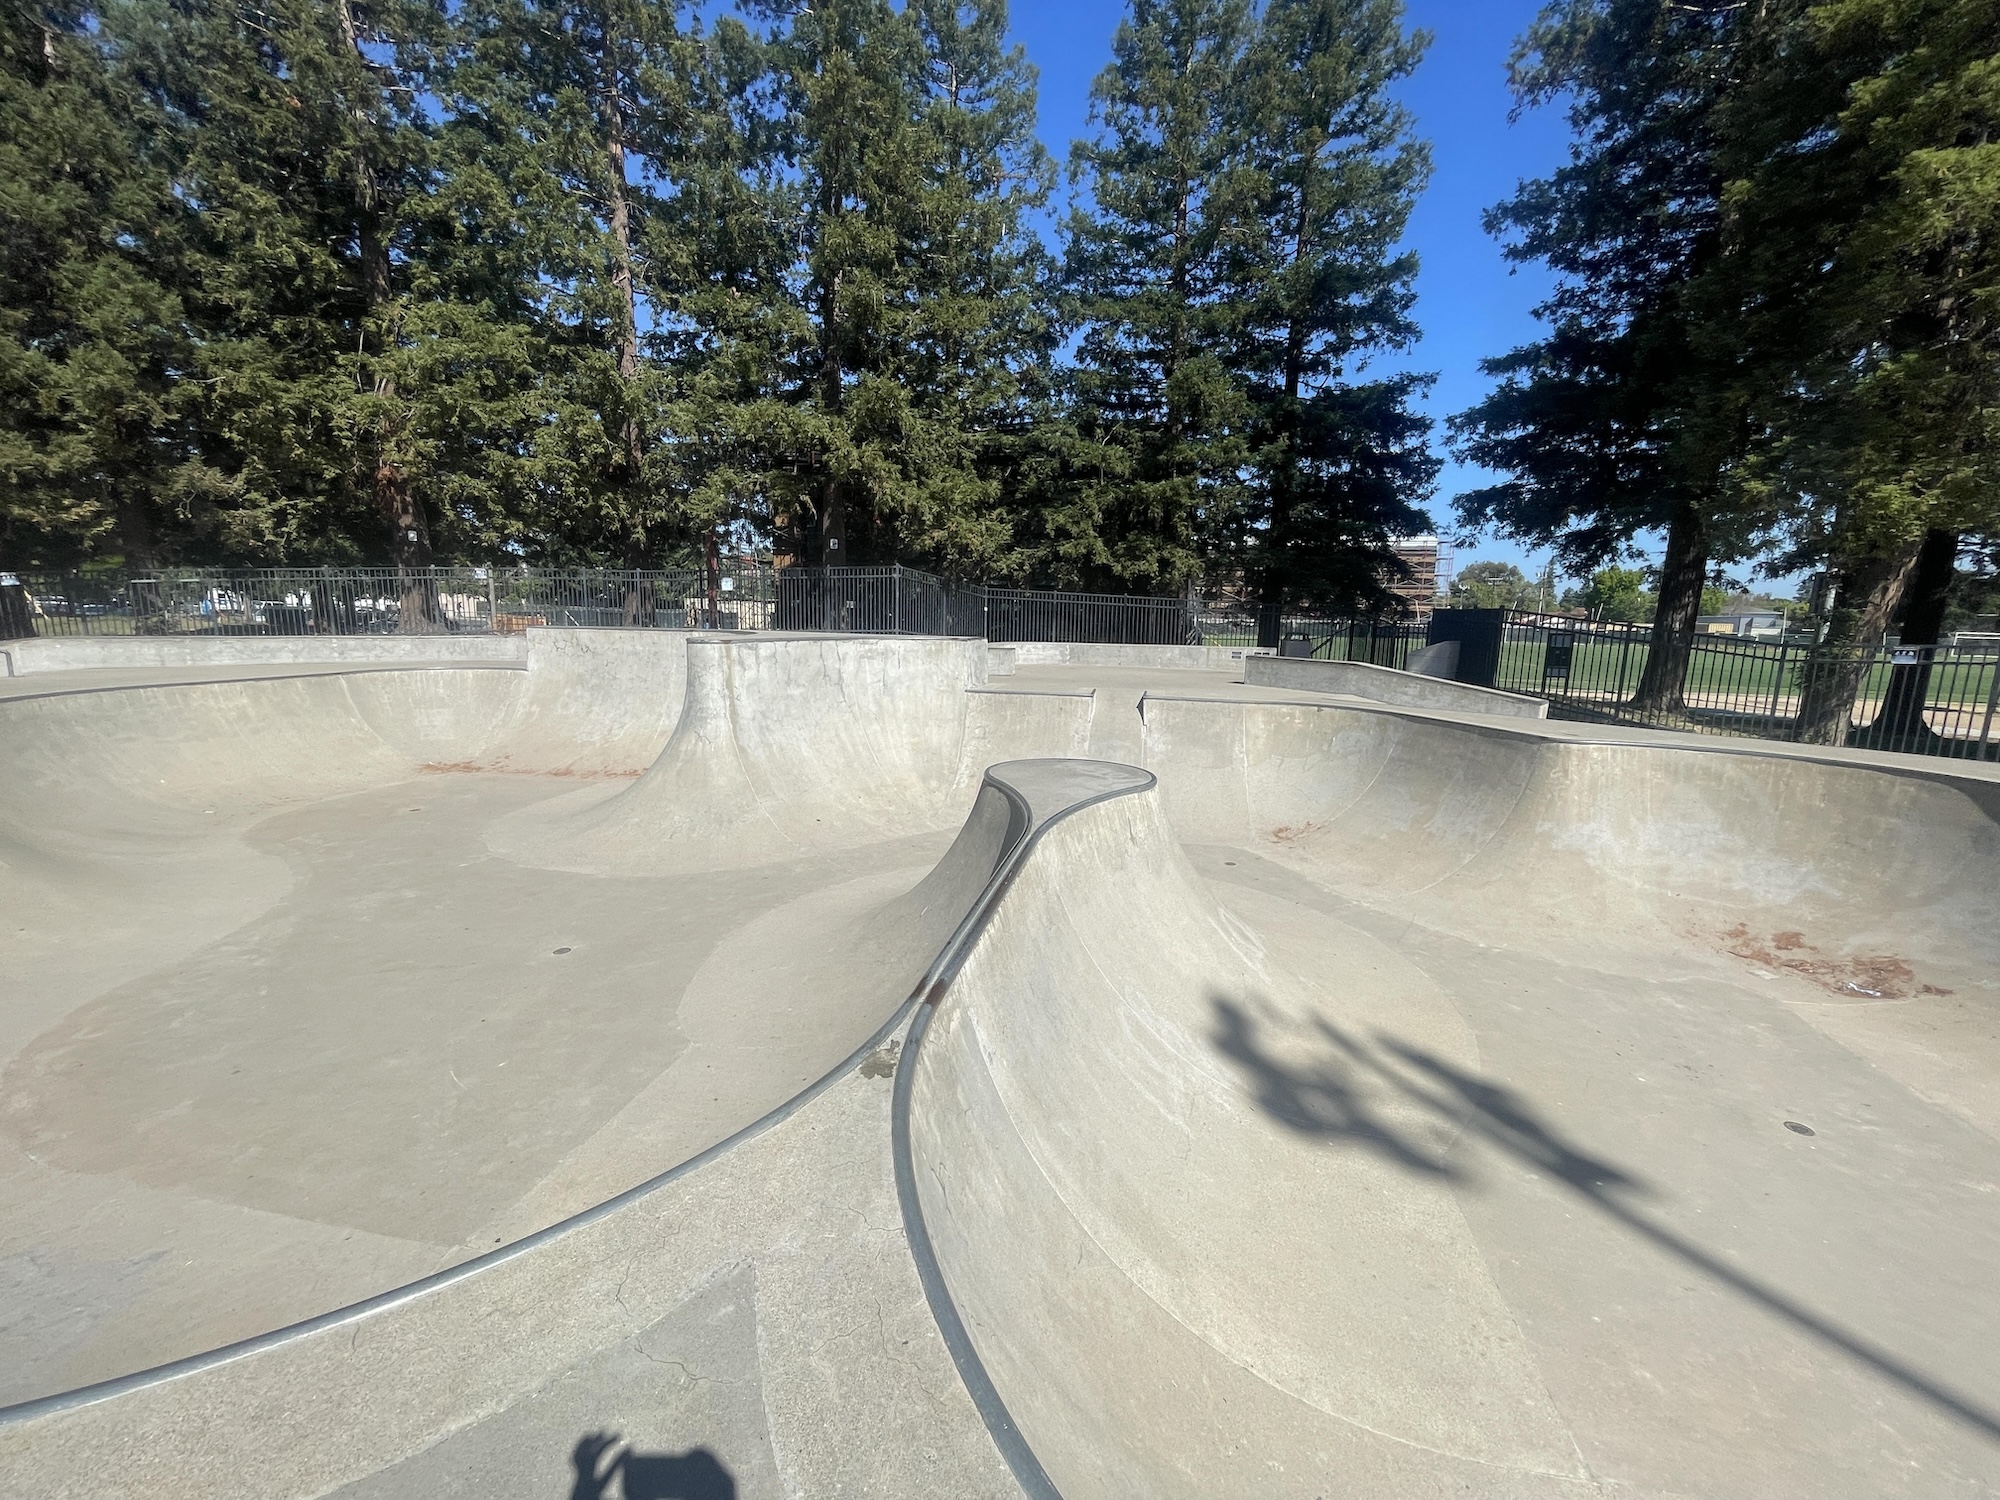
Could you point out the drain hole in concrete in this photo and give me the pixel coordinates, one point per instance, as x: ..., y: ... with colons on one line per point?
x: 1797, y: 1128
x: 562, y: 950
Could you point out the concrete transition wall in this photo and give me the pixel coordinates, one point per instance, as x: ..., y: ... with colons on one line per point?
x: 1359, y: 679
x: 1526, y: 840
x: 1155, y: 1279
x: 1078, y: 1065
x: 1068, y: 653
x: 1081, y: 1057
x: 792, y: 1217
x: 88, y: 652
x: 785, y: 746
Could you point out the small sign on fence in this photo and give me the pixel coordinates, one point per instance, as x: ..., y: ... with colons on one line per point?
x: 1556, y: 659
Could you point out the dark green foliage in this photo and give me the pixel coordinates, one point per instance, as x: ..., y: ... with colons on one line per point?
x: 1329, y: 172
x: 602, y: 282
x: 98, y: 447
x: 1155, y: 395
x: 1778, y: 324
x: 1232, y: 271
x: 1628, y: 416
x: 900, y: 375
x: 1866, y: 221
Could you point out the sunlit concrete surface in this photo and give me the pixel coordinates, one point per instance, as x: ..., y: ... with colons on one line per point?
x: 1356, y: 1100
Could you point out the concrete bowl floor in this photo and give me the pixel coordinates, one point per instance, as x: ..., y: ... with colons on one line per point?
x: 413, y: 1051
x: 1385, y: 1103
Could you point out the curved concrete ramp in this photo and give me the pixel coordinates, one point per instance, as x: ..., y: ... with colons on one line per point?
x: 1175, y: 1293
x: 790, y: 747
x: 774, y: 1256
x: 1239, y: 1187
x: 1382, y: 1102
x: 1634, y: 847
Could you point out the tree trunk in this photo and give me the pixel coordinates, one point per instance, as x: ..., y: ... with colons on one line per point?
x: 1683, y: 571
x: 135, y: 534
x: 402, y: 514
x: 641, y: 597
x: 1900, y: 725
x: 833, y: 499
x: 1284, y: 480
x: 1869, y: 588
x: 416, y: 576
x: 640, y: 602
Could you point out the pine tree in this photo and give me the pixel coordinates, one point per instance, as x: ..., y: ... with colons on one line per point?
x: 847, y: 75
x: 897, y: 378
x: 306, y: 159
x: 97, y: 450
x: 980, y: 331
x: 1158, y: 411
x: 1316, y: 205
x: 574, y: 116
x: 1867, y: 235
x: 1631, y: 414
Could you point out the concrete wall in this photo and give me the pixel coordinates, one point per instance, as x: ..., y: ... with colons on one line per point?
x: 1386, y: 685
x: 786, y: 746
x: 1084, y: 654
x: 79, y: 653
x: 1521, y: 839
x: 18, y: 658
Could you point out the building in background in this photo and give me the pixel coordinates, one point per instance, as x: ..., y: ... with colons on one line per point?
x: 1431, y: 563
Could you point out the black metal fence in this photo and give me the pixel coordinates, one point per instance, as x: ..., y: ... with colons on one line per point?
x: 1128, y: 620
x: 1383, y: 643
x: 1931, y: 700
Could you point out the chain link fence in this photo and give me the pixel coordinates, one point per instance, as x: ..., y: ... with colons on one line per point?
x: 891, y: 600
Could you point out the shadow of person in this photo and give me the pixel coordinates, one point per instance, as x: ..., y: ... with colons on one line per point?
x: 607, y: 1469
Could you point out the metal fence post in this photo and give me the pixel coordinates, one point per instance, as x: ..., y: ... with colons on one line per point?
x: 1992, y: 699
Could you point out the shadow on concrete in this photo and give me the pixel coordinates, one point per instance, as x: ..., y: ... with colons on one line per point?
x: 1328, y: 1097
x: 607, y: 1469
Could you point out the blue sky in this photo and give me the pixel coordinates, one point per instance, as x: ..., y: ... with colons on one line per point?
x: 1471, y: 303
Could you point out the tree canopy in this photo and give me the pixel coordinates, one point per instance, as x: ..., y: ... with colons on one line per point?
x: 1778, y: 295
x: 608, y: 282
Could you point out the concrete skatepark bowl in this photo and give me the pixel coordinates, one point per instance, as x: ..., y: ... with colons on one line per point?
x: 631, y: 1063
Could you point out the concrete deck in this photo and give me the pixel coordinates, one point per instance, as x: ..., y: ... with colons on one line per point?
x: 1386, y: 1102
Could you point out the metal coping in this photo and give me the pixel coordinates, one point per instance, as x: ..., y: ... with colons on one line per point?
x: 269, y: 673
x: 1007, y: 1436
x: 994, y: 692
